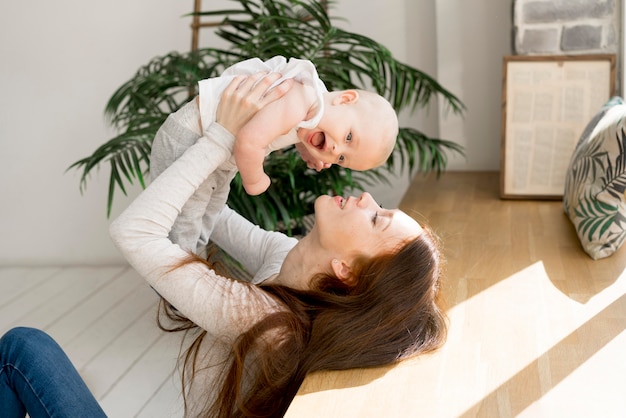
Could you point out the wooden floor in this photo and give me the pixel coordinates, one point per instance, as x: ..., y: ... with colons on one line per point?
x: 105, y: 319
x: 536, y: 326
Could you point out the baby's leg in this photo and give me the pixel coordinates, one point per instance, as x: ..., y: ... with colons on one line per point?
x: 220, y: 189
x: 170, y: 142
x: 180, y: 131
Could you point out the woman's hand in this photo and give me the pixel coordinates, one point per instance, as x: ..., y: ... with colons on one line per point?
x: 245, y: 96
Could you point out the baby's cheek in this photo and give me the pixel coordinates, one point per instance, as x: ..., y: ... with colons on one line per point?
x: 302, y: 133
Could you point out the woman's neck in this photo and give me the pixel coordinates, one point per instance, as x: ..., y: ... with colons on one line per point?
x: 302, y: 263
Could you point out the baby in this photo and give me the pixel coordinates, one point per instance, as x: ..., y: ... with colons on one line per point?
x: 353, y: 128
x: 356, y: 129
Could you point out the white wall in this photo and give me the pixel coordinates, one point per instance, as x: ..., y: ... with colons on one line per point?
x: 62, y: 60
x: 472, y: 38
x: 407, y: 28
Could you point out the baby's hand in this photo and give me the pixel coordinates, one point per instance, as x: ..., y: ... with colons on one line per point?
x: 317, y: 165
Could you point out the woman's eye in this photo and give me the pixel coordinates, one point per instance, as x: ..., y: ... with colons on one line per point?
x: 341, y: 158
x: 374, y: 218
x: 349, y: 137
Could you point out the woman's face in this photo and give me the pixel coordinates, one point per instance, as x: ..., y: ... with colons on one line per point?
x: 359, y: 226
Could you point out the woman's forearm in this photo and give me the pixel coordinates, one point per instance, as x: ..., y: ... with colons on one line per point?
x: 141, y: 231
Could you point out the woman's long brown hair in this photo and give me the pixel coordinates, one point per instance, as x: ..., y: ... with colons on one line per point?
x: 391, y: 313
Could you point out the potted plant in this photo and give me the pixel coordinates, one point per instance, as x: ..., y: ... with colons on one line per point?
x: 265, y: 28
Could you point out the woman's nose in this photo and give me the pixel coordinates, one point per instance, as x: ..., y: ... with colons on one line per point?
x: 365, y: 200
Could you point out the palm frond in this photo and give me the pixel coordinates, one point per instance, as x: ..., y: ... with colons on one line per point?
x: 128, y: 154
x: 263, y: 29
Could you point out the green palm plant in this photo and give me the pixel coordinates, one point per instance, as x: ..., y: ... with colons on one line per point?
x: 265, y: 28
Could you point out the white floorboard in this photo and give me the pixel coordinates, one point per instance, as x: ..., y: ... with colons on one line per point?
x: 105, y: 320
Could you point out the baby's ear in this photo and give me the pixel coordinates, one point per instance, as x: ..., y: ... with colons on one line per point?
x: 346, y: 97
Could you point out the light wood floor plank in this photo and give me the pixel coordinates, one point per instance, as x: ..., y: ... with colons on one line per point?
x: 153, y: 367
x: 78, y: 284
x: 100, y: 334
x: 166, y: 402
x: 95, y: 306
x: 17, y: 311
x: 116, y: 358
x: 16, y: 281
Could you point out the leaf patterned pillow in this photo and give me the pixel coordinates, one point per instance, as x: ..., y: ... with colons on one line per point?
x: 596, y: 180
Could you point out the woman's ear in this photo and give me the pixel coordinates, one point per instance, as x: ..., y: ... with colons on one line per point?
x: 346, y: 97
x: 342, y: 271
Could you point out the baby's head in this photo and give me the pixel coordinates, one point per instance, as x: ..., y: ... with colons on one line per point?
x: 358, y: 130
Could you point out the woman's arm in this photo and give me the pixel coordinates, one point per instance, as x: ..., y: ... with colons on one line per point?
x: 259, y: 251
x: 141, y: 233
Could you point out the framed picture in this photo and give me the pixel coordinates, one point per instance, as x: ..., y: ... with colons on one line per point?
x: 546, y: 103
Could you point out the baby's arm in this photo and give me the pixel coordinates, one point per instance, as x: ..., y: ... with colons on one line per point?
x: 251, y: 143
x: 249, y: 156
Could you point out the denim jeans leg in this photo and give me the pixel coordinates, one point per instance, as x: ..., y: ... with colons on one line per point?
x: 37, y: 377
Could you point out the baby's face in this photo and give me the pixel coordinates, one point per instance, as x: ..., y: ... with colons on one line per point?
x: 348, y: 137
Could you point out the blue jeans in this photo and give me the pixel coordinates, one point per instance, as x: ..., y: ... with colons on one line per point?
x: 37, y: 377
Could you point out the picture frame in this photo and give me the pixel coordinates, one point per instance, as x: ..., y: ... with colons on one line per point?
x: 546, y: 103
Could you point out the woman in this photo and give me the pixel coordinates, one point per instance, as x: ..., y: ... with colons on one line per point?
x: 359, y: 290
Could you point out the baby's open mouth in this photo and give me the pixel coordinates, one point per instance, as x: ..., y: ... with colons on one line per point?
x: 318, y: 140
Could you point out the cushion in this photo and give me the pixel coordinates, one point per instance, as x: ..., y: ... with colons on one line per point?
x: 596, y: 180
